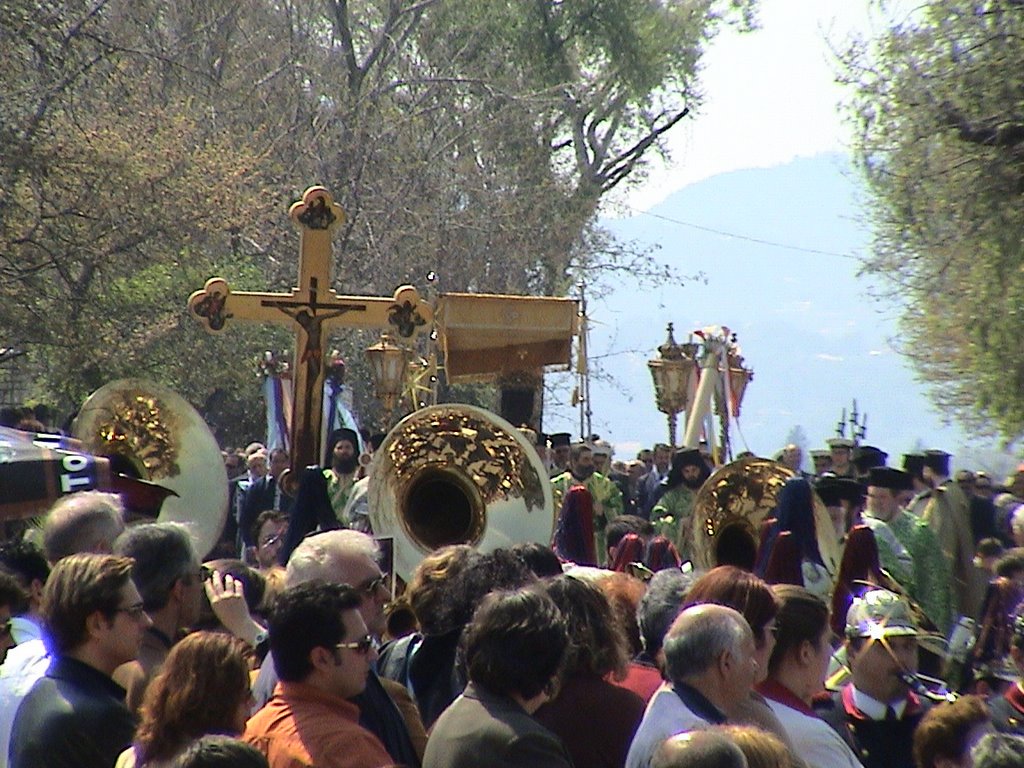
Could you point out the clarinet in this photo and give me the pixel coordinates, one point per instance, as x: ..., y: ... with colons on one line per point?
x: 916, y: 683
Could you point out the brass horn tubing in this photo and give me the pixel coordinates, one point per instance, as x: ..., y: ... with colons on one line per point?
x: 449, y: 489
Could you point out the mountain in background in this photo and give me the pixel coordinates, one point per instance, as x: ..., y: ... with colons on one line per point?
x: 807, y: 324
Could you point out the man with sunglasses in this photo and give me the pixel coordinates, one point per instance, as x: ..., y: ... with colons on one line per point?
x: 385, y: 707
x: 322, y: 654
x: 268, y: 533
x: 94, y: 621
x: 87, y: 521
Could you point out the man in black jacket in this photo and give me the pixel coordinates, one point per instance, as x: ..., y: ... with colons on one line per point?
x: 263, y: 494
x: 75, y: 717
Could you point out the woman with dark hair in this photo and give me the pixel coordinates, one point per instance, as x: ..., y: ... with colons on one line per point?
x: 514, y: 649
x: 594, y: 718
x: 203, y: 687
x: 743, y: 591
x: 444, y: 591
x: 540, y: 559
x: 427, y: 597
x: 796, y: 672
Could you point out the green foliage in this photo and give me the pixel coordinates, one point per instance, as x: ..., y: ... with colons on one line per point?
x: 147, y: 146
x: 939, y: 109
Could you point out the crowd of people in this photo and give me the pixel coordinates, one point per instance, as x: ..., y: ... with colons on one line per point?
x: 877, y: 621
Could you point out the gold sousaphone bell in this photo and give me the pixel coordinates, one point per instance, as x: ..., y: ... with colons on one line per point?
x: 732, y: 504
x: 152, y: 430
x: 457, y: 474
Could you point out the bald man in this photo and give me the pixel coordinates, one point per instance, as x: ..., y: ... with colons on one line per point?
x: 710, y: 665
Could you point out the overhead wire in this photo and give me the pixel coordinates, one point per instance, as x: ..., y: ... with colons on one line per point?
x: 745, y: 238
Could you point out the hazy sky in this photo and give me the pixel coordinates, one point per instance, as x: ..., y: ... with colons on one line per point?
x: 771, y: 95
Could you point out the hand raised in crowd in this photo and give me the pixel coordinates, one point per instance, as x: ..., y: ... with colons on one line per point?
x: 227, y: 599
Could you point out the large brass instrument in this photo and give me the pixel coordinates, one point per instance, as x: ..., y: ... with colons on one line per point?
x: 732, y: 504
x: 155, y: 432
x: 457, y: 474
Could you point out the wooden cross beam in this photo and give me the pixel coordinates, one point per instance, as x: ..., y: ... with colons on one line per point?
x: 312, y: 310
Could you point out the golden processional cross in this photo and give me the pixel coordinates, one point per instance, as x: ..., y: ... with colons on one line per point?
x: 312, y: 310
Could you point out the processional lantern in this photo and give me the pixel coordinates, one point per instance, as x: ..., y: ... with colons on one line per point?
x: 739, y: 376
x: 388, y: 365
x: 671, y: 372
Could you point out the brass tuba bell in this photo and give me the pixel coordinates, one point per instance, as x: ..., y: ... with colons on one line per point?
x: 156, y: 432
x: 457, y: 474
x: 732, y: 504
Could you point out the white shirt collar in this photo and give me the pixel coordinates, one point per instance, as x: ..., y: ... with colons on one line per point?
x: 875, y: 709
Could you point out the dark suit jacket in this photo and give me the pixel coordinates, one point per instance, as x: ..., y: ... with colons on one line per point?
x: 74, y: 717
x: 484, y: 730
x: 876, y: 743
x: 260, y: 497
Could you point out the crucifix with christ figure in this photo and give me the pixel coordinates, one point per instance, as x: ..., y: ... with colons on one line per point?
x: 312, y: 310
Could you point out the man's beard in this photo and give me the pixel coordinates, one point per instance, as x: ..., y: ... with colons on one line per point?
x: 693, y: 484
x: 583, y: 473
x: 346, y: 466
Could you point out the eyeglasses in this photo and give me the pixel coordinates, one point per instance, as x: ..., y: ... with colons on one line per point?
x: 271, y: 540
x: 370, y: 587
x: 134, y: 612
x: 361, y: 646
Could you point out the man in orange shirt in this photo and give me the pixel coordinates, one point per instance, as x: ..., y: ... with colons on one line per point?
x: 322, y: 653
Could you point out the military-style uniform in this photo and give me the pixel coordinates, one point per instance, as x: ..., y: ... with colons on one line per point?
x: 880, y: 733
x: 885, y: 743
x: 850, y: 470
x: 1007, y: 711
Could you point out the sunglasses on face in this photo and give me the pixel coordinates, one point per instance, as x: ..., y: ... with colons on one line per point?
x: 361, y: 646
x: 271, y: 540
x: 370, y: 587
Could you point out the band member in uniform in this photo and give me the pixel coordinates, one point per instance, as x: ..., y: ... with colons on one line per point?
x: 877, y: 712
x: 822, y: 461
x: 1008, y: 710
x: 841, y: 452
